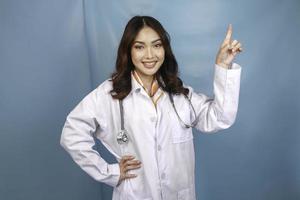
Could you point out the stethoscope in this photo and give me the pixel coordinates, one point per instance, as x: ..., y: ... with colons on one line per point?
x: 122, y: 136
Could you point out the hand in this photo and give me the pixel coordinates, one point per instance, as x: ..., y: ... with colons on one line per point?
x: 228, y: 50
x: 126, y: 164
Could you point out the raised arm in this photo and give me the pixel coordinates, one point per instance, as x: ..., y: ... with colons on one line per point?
x: 220, y: 111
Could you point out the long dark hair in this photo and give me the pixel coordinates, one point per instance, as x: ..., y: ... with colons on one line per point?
x: 121, y: 78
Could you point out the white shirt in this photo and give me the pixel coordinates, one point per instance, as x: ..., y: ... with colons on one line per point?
x: 156, y: 136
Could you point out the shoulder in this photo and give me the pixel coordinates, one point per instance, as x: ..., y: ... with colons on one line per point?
x: 105, y: 87
x: 191, y: 90
x: 102, y: 91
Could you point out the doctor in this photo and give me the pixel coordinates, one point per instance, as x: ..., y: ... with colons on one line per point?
x: 144, y: 116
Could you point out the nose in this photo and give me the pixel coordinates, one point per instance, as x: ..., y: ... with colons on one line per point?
x: 149, y: 53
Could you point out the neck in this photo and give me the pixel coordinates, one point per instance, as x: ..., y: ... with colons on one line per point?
x: 146, y: 80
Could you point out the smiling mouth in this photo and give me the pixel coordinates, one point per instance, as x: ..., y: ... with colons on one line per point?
x: 149, y: 64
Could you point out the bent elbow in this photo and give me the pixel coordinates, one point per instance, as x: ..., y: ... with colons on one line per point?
x: 65, y: 137
x: 62, y: 140
x: 216, y: 123
x: 227, y: 119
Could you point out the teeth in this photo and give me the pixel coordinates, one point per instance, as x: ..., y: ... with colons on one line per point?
x: 149, y: 64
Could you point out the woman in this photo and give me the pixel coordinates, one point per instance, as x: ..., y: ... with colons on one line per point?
x: 144, y: 116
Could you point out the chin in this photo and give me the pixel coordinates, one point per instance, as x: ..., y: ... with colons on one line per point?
x: 150, y: 72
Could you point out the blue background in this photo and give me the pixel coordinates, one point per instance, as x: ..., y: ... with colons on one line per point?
x: 52, y: 53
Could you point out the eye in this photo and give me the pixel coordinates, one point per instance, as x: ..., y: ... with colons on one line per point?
x: 138, y: 47
x: 158, y: 45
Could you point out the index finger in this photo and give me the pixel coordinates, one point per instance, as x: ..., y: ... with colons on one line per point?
x: 228, y: 34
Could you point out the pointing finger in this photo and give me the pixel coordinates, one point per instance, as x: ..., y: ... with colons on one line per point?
x: 228, y: 35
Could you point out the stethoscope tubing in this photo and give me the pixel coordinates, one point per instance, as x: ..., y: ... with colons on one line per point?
x: 122, y: 137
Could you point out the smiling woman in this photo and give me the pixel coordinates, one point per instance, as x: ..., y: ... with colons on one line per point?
x: 144, y: 116
x: 144, y: 42
x: 147, y: 55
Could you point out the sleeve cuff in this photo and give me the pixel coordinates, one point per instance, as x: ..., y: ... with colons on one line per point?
x: 222, y: 73
x: 234, y: 66
x: 114, y: 170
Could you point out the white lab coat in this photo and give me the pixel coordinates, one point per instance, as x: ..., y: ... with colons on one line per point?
x: 156, y: 137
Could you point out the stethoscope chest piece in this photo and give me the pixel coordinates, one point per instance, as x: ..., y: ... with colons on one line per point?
x: 122, y: 137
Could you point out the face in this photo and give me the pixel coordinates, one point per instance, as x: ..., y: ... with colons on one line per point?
x: 147, y: 53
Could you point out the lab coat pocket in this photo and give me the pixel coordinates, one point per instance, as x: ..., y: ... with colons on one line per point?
x: 180, y: 136
x: 179, y: 132
x: 186, y: 194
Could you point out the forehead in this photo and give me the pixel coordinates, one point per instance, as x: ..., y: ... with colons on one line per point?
x: 147, y: 34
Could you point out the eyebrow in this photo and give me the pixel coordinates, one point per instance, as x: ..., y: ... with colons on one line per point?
x: 151, y: 42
